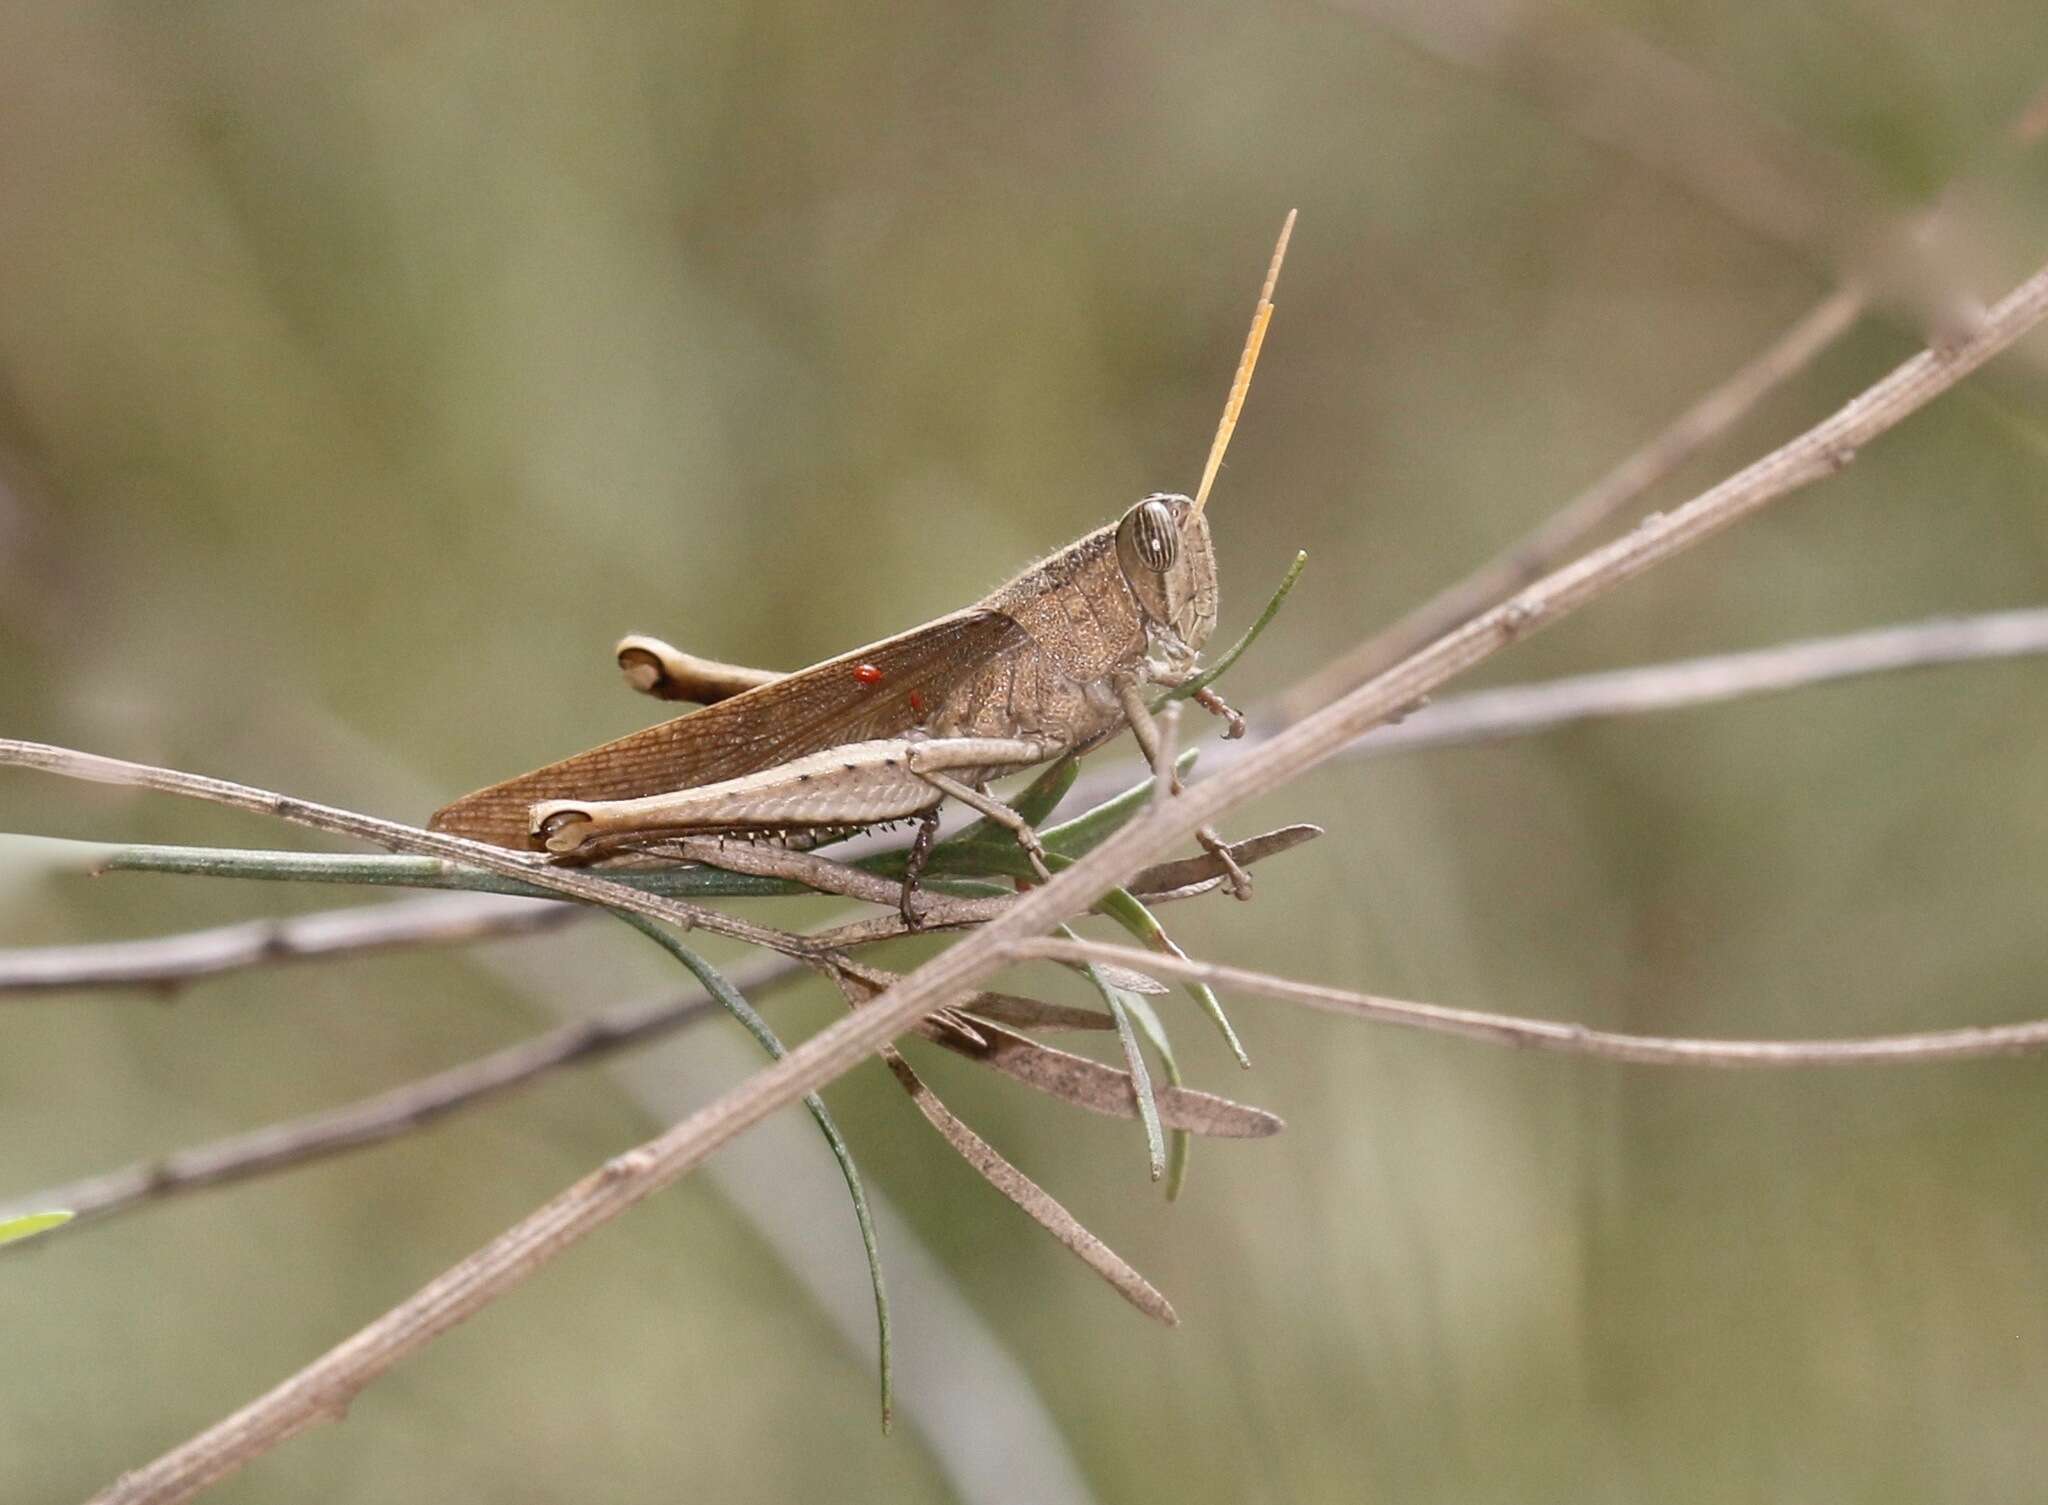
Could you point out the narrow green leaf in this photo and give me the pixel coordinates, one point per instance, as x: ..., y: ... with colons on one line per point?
x: 1214, y: 672
x: 1035, y: 801
x: 28, y: 1225
x: 1134, y: 1061
x: 1090, y: 829
x: 1154, y: 1029
x: 734, y: 1002
x: 1123, y: 907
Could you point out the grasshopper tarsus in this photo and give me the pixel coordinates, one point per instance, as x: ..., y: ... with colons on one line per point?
x: 1216, y: 705
x: 1240, y: 880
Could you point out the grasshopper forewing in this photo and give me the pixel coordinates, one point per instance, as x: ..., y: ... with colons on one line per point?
x: 873, y: 694
x: 1046, y: 665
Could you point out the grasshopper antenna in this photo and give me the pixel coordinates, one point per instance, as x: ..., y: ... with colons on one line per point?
x: 1261, y: 317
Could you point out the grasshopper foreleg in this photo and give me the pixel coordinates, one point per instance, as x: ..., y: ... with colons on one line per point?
x: 1146, y: 730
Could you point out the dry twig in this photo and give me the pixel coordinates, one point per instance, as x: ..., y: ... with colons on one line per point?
x: 1030, y: 1196
x: 1484, y: 716
x: 1974, y: 1043
x: 414, y: 1105
x: 1524, y: 710
x: 162, y: 963
x: 283, y: 1146
x: 395, y: 836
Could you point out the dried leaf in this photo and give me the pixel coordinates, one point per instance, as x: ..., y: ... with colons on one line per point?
x: 1105, y: 1090
x: 1030, y: 1196
x: 1035, y: 1013
x: 1195, y: 872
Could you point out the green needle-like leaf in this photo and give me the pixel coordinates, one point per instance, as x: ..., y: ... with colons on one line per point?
x: 1090, y: 829
x: 1215, y: 671
x: 1119, y: 1001
x: 1123, y: 907
x: 1035, y: 801
x: 1154, y: 1029
x: 734, y: 1002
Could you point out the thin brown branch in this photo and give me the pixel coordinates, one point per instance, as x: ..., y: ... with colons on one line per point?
x: 1162, y: 883
x: 1035, y: 1013
x: 1529, y: 709
x: 935, y: 911
x: 1588, y: 512
x: 284, y: 1146
x: 1075, y: 1080
x: 2029, y: 1038
x: 324, y: 1387
x: 1484, y: 716
x: 162, y: 963
x: 1524, y: 710
x: 1169, y: 880
x: 395, y: 836
x: 373, y: 1120
x: 981, y: 1157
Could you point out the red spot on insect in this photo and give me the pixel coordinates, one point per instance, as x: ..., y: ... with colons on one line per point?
x: 917, y: 703
x: 867, y: 674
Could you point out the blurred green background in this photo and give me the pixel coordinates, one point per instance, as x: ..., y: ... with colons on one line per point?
x: 366, y: 369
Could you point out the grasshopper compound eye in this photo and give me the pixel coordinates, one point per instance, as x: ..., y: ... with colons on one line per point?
x: 1154, y: 538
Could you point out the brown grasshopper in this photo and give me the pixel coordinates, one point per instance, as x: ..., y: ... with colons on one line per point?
x: 1055, y: 662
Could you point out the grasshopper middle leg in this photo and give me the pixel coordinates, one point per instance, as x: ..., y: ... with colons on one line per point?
x: 997, y: 811
x: 929, y: 759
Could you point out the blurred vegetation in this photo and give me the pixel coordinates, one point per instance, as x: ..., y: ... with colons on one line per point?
x: 366, y: 369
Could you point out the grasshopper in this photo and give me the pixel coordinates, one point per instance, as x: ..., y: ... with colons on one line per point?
x: 1054, y: 662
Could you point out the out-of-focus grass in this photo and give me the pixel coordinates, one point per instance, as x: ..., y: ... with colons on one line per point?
x: 364, y: 372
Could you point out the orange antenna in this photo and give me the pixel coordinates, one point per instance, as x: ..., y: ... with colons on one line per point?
x: 1261, y: 317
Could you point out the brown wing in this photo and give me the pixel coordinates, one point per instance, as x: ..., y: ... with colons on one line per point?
x: 882, y: 690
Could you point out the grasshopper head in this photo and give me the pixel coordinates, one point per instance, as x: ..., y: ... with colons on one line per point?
x: 1163, y: 546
